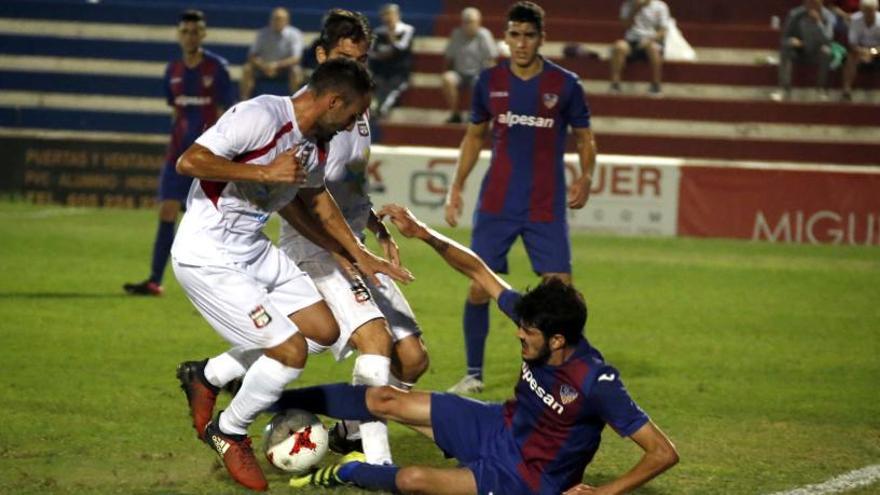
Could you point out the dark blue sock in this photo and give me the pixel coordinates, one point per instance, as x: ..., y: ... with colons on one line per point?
x: 370, y: 476
x: 161, y: 250
x: 337, y: 400
x: 476, y: 329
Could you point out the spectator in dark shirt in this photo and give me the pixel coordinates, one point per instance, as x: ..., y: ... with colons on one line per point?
x: 806, y: 38
x: 391, y: 59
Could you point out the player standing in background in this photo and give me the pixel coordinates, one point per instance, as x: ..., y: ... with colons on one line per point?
x: 540, y: 441
x: 374, y: 320
x: 197, y: 87
x: 530, y: 102
x: 258, y: 157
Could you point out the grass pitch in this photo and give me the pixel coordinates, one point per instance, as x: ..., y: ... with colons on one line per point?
x: 760, y: 361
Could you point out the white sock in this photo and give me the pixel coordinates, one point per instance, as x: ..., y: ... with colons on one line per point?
x: 374, y: 370
x: 222, y: 369
x: 400, y: 384
x: 262, y: 385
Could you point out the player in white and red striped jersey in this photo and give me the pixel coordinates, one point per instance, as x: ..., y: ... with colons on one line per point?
x: 258, y: 157
x: 376, y: 321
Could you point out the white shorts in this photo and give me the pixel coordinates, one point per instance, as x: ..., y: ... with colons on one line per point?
x: 248, y: 303
x: 355, y: 303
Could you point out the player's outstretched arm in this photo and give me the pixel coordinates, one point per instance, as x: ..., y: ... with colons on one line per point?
x: 468, y: 153
x: 199, y: 162
x: 384, y: 238
x: 660, y: 455
x: 456, y: 255
x: 324, y: 207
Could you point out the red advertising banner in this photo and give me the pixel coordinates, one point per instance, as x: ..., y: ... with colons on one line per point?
x: 780, y: 205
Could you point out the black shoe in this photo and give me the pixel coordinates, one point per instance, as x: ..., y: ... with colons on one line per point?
x: 145, y: 288
x: 615, y: 87
x: 339, y: 443
x: 455, y: 118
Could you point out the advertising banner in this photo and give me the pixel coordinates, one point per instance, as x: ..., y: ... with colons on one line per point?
x: 817, y: 206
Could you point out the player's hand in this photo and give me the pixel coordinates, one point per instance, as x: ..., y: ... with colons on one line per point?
x: 348, y: 269
x: 584, y: 489
x: 369, y: 265
x: 389, y: 248
x: 403, y: 219
x: 453, y: 206
x: 579, y: 193
x: 285, y: 169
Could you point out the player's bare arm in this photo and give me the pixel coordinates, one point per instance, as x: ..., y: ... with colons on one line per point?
x: 298, y: 215
x: 579, y: 190
x: 324, y: 207
x: 660, y: 455
x: 199, y: 162
x: 457, y: 256
x: 384, y: 238
x: 469, y: 152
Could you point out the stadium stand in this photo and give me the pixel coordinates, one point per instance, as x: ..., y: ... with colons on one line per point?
x: 96, y: 66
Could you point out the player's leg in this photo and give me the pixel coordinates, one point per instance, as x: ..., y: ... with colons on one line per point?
x: 451, y: 82
x: 409, y: 355
x: 549, y: 249
x: 620, y: 50
x: 491, y: 240
x: 173, y: 189
x: 239, y: 309
x: 409, y: 361
x: 654, y: 51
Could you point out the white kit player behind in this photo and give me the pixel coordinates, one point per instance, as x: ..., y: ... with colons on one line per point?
x: 253, y: 162
x: 375, y: 320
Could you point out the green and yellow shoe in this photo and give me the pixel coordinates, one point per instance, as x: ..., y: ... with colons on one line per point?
x: 327, y: 476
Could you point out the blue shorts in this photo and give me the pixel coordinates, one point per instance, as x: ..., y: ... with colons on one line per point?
x: 546, y: 243
x: 473, y: 432
x: 173, y: 185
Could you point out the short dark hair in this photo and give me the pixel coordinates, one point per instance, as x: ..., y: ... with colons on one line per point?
x: 192, y: 15
x: 343, y: 75
x: 527, y: 12
x: 343, y: 24
x: 554, y: 307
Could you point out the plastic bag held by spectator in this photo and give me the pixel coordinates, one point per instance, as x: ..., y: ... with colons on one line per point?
x: 677, y: 48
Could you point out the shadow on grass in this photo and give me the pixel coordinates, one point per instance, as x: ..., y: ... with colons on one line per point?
x: 60, y: 295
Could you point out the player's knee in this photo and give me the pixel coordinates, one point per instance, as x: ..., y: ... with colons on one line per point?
x: 383, y: 401
x: 373, y: 337
x: 293, y: 352
x: 317, y: 323
x: 477, y: 295
x: 414, y: 363
x: 413, y: 479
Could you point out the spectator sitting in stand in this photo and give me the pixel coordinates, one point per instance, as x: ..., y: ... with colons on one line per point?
x: 646, y: 23
x: 391, y: 59
x: 275, y: 55
x: 806, y: 38
x: 864, y: 44
x: 471, y: 49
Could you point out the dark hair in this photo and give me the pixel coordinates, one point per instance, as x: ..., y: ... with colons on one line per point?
x: 343, y: 75
x: 343, y: 24
x: 527, y: 12
x: 192, y: 15
x: 554, y: 307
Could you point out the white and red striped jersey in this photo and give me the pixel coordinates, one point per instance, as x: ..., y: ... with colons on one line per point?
x: 224, y: 220
x: 345, y: 176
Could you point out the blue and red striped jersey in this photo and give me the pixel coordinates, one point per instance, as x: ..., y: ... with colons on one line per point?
x: 558, y: 413
x: 196, y: 94
x: 530, y: 119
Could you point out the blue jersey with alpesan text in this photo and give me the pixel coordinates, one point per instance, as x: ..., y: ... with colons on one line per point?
x: 558, y: 413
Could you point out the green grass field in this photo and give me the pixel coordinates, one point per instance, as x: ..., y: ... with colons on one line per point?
x: 760, y: 361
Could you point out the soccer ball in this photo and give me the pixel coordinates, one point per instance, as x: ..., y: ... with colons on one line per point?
x: 296, y: 440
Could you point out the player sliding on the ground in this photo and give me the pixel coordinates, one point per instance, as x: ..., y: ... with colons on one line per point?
x: 540, y: 441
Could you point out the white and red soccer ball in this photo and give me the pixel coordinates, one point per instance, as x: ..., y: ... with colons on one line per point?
x: 296, y: 441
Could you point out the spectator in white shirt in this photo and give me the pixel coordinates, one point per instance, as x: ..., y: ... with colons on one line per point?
x: 275, y: 55
x: 646, y: 23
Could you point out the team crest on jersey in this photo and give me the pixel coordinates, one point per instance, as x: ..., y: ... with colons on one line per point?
x: 567, y: 394
x: 550, y: 100
x: 359, y: 291
x: 260, y: 317
x: 207, y: 81
x: 363, y: 128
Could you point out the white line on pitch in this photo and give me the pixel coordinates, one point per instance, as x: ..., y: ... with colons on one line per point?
x: 845, y: 482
